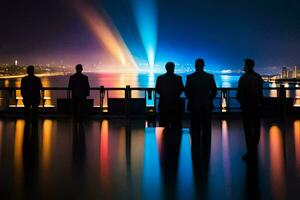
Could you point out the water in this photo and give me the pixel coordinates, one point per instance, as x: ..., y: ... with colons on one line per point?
x: 119, y: 159
x: 119, y: 80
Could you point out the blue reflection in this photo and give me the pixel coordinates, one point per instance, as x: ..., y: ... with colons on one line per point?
x: 151, y: 167
x: 185, y: 186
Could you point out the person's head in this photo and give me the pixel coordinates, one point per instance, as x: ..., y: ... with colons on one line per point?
x: 79, y: 68
x: 170, y: 67
x: 199, y: 64
x: 30, y: 70
x: 249, y: 64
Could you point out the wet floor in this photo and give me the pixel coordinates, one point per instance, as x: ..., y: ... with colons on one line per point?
x: 119, y: 159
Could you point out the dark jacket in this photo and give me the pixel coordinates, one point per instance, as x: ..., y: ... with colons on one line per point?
x: 200, y: 90
x: 169, y: 86
x: 250, y: 91
x: 79, y: 85
x: 31, y: 89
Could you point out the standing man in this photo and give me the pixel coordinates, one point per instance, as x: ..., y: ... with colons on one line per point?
x: 200, y: 90
x: 31, y: 87
x: 250, y: 96
x: 80, y: 88
x: 169, y: 86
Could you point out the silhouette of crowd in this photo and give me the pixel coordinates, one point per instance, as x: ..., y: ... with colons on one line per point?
x: 200, y: 90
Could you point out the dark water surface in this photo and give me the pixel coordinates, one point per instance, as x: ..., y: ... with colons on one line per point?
x: 119, y: 159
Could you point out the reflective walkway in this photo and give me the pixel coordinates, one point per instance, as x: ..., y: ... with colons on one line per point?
x: 119, y: 159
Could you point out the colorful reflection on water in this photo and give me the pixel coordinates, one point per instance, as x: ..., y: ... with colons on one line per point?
x: 277, y: 172
x: 151, y: 166
x: 124, y: 159
x: 297, y: 145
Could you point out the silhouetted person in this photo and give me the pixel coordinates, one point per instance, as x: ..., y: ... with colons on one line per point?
x: 169, y: 86
x: 200, y: 90
x: 250, y: 96
x: 31, y: 92
x: 80, y: 88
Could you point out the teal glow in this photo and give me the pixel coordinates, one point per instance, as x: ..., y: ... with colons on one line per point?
x: 151, y: 167
x: 145, y: 13
x: 185, y: 186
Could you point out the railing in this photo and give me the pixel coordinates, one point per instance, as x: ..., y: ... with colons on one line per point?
x: 10, y: 97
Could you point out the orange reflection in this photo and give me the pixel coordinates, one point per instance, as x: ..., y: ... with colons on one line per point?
x: 159, y: 134
x: 18, y: 149
x: 277, y: 162
x: 46, y: 143
x: 122, y: 147
x: 104, y: 157
x: 297, y: 144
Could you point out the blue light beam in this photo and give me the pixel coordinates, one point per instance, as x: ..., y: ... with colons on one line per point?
x: 145, y: 13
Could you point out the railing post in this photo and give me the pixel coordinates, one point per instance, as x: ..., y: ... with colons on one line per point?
x: 282, y: 92
x: 7, y: 95
x: 282, y: 99
x: 127, y: 98
x: 68, y: 93
x: 149, y: 91
x: 13, y: 93
x: 102, y: 95
x: 43, y: 97
x: 155, y: 102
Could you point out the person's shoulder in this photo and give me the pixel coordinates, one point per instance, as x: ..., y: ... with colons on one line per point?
x: 72, y: 76
x: 85, y: 76
x: 243, y: 76
x: 191, y: 75
x: 36, y: 78
x: 178, y: 76
x: 257, y: 75
x: 161, y: 76
x: 209, y: 75
x: 24, y: 78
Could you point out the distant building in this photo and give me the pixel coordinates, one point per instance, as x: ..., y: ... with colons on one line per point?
x: 284, y: 72
x: 295, y: 72
x: 290, y: 73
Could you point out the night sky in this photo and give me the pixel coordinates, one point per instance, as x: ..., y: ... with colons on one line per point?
x: 222, y: 32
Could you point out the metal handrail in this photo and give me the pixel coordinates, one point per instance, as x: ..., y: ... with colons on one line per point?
x: 150, y: 93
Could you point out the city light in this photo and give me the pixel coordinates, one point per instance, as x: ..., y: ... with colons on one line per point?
x: 145, y: 13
